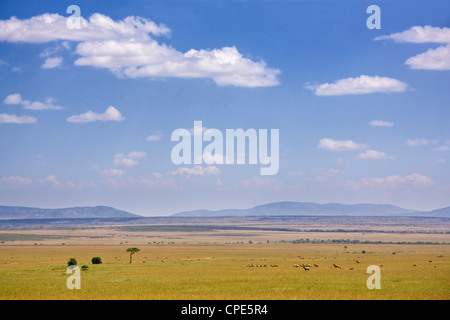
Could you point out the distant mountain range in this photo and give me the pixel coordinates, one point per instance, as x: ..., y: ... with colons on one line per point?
x: 13, y: 212
x: 269, y: 209
x: 315, y: 209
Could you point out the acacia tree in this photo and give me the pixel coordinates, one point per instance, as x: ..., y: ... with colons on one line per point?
x: 132, y: 251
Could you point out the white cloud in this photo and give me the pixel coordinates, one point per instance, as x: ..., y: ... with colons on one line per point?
x: 53, y: 62
x: 196, y: 171
x: 339, y: 145
x: 418, y: 34
x: 128, y: 160
x: 154, y: 137
x: 334, y: 172
x: 381, y: 123
x: 258, y: 182
x: 372, y: 154
x: 433, y: 59
x: 113, y: 172
x: 441, y: 161
x: 360, y: 85
x: 420, y: 142
x: 37, y: 105
x: 12, y: 118
x: 58, y: 47
x: 52, y: 180
x: 16, y: 98
x: 50, y: 27
x: 111, y: 114
x: 444, y: 147
x: 414, y: 179
x: 16, y: 180
x: 126, y: 48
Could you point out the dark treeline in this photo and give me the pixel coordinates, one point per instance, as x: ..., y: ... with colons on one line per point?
x: 348, y: 241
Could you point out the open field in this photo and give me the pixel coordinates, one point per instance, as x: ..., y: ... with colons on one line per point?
x: 224, y: 271
x: 229, y: 259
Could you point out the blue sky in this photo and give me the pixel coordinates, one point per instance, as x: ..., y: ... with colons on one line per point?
x: 86, y: 115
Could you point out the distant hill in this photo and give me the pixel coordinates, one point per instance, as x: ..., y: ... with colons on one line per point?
x: 13, y: 212
x: 443, y: 212
x: 315, y: 209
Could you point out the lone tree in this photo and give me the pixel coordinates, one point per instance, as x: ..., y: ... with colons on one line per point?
x: 132, y: 251
x: 72, y: 262
x: 96, y: 260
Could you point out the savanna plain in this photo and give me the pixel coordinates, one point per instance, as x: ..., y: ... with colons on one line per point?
x: 271, y: 260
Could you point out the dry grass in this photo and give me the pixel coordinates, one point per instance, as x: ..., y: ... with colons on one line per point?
x: 221, y: 272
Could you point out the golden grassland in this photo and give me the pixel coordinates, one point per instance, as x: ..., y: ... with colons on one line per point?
x: 221, y: 271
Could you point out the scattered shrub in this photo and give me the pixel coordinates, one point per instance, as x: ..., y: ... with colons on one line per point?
x: 72, y: 262
x: 96, y: 260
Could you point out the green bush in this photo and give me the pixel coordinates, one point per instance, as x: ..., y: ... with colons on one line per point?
x: 72, y: 262
x: 96, y: 260
x: 84, y: 267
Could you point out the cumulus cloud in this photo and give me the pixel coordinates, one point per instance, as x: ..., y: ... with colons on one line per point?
x: 15, y: 98
x: 420, y: 142
x: 372, y: 154
x: 128, y: 160
x: 339, y: 145
x: 53, y: 62
x: 16, y: 180
x: 360, y: 85
x: 196, y: 171
x: 414, y: 179
x: 433, y: 59
x: 154, y: 137
x: 381, y: 123
x: 127, y: 48
x: 111, y: 114
x: 419, y: 34
x: 113, y: 172
x: 12, y: 118
x: 334, y: 172
x: 48, y: 104
x: 444, y: 147
x: 52, y: 180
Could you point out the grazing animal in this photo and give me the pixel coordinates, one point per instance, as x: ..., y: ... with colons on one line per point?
x: 306, y: 268
x: 295, y: 265
x: 414, y: 265
x: 351, y: 268
x: 336, y: 266
x: 274, y: 265
x: 315, y: 265
x: 357, y: 261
